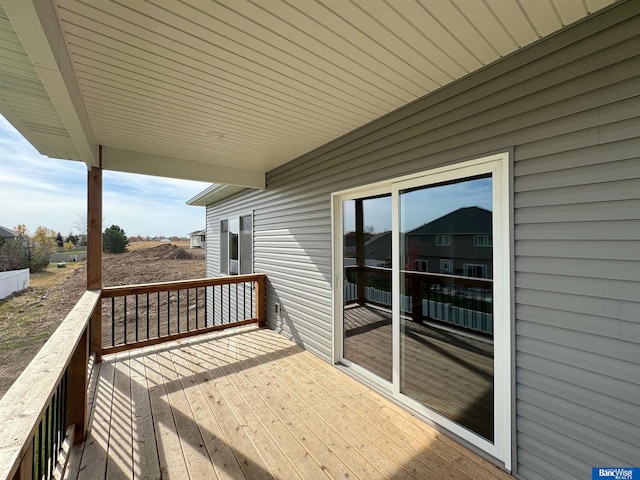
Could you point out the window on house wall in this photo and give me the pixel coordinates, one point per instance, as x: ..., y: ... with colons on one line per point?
x: 236, y: 245
x: 443, y: 240
x: 475, y: 270
x: 482, y: 241
x: 445, y: 266
x: 224, y: 246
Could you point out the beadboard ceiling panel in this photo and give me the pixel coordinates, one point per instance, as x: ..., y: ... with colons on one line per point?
x: 232, y: 86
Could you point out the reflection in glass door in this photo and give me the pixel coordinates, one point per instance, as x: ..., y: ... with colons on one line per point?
x: 446, y: 300
x: 367, y: 332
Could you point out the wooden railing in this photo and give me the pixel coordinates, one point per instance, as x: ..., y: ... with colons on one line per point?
x: 138, y: 315
x: 465, y: 302
x: 45, y: 411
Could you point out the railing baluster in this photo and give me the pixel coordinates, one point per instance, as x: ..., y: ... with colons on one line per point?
x: 51, y: 438
x: 136, y: 318
x: 40, y: 461
x: 168, y: 313
x: 147, y: 317
x: 56, y: 421
x: 244, y: 299
x: 34, y: 457
x: 197, y: 307
x: 124, y: 322
x: 188, y: 309
x: 229, y: 303
x: 158, y: 310
x: 178, y: 294
x: 53, y: 433
x: 237, y: 309
x: 65, y: 379
x: 221, y: 304
x: 46, y: 440
x: 113, y: 321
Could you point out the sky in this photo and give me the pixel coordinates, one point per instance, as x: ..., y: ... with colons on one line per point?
x: 422, y: 205
x: 40, y: 191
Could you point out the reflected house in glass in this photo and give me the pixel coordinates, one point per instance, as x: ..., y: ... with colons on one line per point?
x: 455, y: 243
x: 377, y: 250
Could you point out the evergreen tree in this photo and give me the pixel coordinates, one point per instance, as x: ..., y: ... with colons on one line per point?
x: 59, y: 240
x: 114, y: 240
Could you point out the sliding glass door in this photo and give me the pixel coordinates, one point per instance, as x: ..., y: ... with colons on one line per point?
x: 423, y: 299
x: 446, y: 315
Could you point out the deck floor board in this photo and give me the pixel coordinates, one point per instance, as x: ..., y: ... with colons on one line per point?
x: 248, y: 403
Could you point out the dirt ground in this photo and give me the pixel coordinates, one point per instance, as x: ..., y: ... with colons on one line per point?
x: 28, y: 318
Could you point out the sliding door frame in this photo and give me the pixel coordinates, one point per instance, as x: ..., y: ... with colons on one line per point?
x: 498, y: 165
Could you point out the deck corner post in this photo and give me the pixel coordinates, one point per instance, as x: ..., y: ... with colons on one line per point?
x: 77, y: 389
x: 261, y: 300
x: 94, y: 251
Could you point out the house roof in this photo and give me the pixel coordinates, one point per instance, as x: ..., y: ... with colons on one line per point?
x: 7, y: 232
x: 467, y: 220
x: 225, y: 91
x: 199, y: 232
x: 376, y: 237
x: 213, y: 194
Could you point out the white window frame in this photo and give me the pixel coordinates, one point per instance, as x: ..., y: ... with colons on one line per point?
x: 443, y: 240
x: 485, y: 240
x: 226, y: 271
x: 500, y: 168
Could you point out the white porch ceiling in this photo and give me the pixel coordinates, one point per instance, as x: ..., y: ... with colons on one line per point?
x: 226, y: 90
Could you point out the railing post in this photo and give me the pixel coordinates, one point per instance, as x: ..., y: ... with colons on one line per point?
x: 261, y: 300
x: 25, y: 470
x: 77, y: 388
x: 416, y: 297
x: 360, y: 256
x: 94, y: 251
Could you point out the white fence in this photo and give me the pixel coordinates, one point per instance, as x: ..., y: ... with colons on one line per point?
x: 444, y: 312
x: 13, y: 281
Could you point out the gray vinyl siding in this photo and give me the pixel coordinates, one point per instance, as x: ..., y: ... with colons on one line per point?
x: 568, y: 109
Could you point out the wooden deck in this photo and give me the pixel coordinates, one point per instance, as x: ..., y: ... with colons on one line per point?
x: 247, y: 403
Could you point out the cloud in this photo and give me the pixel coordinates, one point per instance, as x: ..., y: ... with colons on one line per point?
x: 37, y: 190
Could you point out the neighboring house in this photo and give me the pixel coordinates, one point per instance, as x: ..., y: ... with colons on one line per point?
x: 197, y: 239
x: 7, y: 233
x: 300, y: 111
x: 377, y: 250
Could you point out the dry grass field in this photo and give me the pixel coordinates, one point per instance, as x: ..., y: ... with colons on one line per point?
x: 28, y: 318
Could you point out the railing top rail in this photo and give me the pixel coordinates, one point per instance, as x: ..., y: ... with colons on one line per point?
x: 439, y: 277
x: 23, y: 405
x: 119, y: 291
